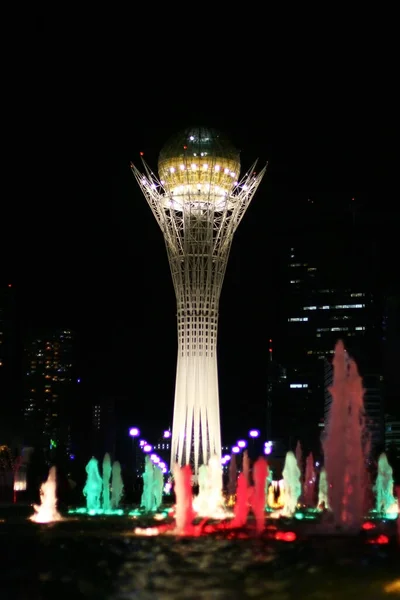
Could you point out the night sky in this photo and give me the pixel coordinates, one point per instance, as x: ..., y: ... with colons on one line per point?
x: 84, y: 250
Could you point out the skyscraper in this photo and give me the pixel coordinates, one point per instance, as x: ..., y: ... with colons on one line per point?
x: 50, y: 386
x: 332, y: 293
x: 9, y: 380
x: 198, y: 202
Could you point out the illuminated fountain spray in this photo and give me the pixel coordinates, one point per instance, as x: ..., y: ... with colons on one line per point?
x: 232, y: 476
x: 153, y: 483
x: 47, y: 512
x: 117, y: 485
x: 106, y: 482
x: 260, y: 474
x: 246, y: 466
x: 198, y: 202
x: 398, y: 516
x: 292, y: 484
x: 385, y: 500
x: 147, y: 500
x: 93, y: 485
x: 323, y: 501
x: 184, y: 513
x: 241, y: 509
x: 345, y: 443
x: 309, y: 482
x: 210, y: 501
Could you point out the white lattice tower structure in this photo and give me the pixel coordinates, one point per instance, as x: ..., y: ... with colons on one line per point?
x: 198, y: 201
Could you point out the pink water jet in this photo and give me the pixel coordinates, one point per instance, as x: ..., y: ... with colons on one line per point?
x: 345, y: 447
x: 257, y: 498
x: 309, y: 482
x: 241, y: 509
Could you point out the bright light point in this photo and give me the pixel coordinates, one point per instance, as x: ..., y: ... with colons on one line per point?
x: 227, y: 457
x: 156, y: 460
x: 242, y: 444
x: 164, y: 470
x: 235, y: 449
x: 254, y: 433
x: 167, y: 434
x: 267, y: 449
x: 162, y: 465
x: 147, y: 448
x: 142, y: 443
x: 153, y: 456
x: 134, y: 431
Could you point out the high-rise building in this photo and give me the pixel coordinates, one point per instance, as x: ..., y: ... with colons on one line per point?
x: 9, y: 380
x: 331, y: 294
x: 198, y: 202
x: 104, y: 426
x: 50, y: 390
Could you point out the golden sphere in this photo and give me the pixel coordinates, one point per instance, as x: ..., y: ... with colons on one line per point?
x: 199, y: 161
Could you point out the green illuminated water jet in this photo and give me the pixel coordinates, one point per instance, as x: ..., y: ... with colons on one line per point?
x: 93, y: 485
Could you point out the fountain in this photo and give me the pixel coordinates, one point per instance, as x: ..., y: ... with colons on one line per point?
x: 291, y: 477
x: 232, y: 479
x: 345, y: 448
x: 106, y: 482
x: 385, y: 500
x: 93, y: 485
x: 323, y: 502
x: 47, y: 512
x: 147, y: 499
x: 153, y: 483
x: 257, y: 498
x: 210, y: 501
x: 246, y: 466
x: 117, y: 486
x: 184, y: 513
x: 309, y: 482
x: 241, y: 509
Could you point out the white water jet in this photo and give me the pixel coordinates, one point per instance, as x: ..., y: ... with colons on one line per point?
x: 47, y: 512
x: 291, y: 477
x: 323, y: 501
x: 210, y: 501
x: 384, y: 487
x: 117, y: 485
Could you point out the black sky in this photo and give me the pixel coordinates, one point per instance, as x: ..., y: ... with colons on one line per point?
x: 81, y: 243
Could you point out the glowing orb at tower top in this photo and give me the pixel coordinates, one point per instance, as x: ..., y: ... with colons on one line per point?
x: 199, y: 163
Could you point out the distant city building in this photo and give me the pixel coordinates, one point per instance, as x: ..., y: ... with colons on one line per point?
x: 392, y: 435
x: 276, y: 419
x: 331, y: 294
x: 10, y: 391
x: 163, y: 447
x: 391, y: 350
x: 49, y: 390
x: 104, y: 426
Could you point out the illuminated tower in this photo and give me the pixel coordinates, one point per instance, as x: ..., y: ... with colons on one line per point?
x: 198, y: 202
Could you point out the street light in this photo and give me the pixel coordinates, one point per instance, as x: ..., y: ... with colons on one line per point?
x: 134, y: 433
x: 254, y: 433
